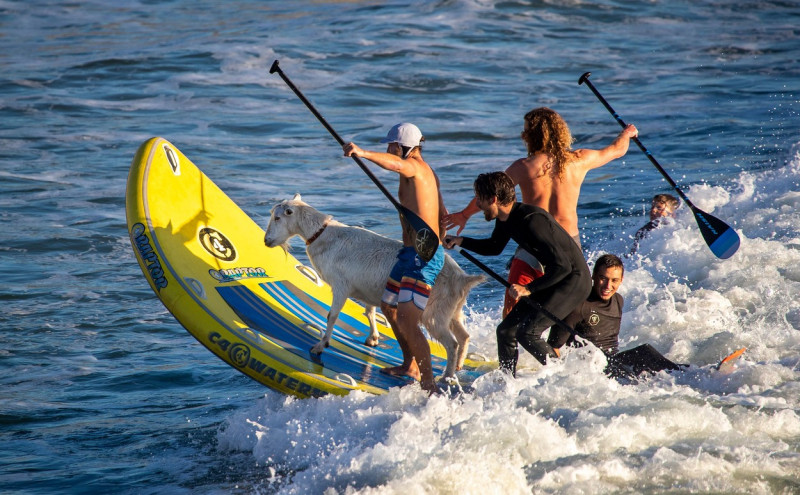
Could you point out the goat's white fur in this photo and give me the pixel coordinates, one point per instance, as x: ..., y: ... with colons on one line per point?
x: 356, y: 263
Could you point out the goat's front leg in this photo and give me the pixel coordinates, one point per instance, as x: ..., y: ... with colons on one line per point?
x: 336, y: 307
x: 373, y: 339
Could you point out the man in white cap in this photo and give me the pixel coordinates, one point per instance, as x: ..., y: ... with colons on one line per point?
x: 412, y: 278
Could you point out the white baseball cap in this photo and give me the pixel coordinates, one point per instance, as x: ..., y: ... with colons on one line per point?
x: 404, y: 134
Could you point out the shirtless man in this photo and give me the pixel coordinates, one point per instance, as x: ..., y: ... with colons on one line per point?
x: 411, y: 279
x: 550, y: 177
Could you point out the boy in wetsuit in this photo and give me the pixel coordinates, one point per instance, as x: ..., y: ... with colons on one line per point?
x: 565, y: 283
x: 412, y: 278
x: 662, y: 206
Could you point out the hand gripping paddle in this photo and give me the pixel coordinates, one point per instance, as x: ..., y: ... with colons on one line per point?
x: 426, y: 241
x: 720, y: 237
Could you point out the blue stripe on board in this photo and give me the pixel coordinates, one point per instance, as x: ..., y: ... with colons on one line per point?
x: 282, y: 291
x: 263, y: 318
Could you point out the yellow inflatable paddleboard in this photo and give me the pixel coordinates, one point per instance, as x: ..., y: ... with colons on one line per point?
x: 257, y: 308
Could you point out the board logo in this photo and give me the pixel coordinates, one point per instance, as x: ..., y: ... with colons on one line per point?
x: 149, y: 258
x: 233, y: 274
x: 239, y: 354
x: 172, y: 158
x: 217, y: 244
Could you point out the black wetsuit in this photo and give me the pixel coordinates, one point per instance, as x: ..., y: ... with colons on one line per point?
x: 565, y: 284
x: 598, y: 322
x: 595, y: 320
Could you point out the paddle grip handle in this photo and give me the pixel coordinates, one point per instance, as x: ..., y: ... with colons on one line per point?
x: 276, y: 68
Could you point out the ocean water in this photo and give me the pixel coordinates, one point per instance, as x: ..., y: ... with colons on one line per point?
x: 103, y: 391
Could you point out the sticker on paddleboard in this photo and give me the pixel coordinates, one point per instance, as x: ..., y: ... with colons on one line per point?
x: 239, y: 354
x: 172, y: 158
x: 216, y: 244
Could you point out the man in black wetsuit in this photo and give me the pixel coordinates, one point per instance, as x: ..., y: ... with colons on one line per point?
x: 598, y: 320
x: 564, y: 285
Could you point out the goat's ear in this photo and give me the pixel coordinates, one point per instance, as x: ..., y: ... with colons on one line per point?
x: 296, y: 197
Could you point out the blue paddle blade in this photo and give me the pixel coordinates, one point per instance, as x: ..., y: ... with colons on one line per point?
x: 720, y: 237
x: 725, y: 245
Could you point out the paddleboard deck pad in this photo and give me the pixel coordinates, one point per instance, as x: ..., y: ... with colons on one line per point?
x: 258, y: 309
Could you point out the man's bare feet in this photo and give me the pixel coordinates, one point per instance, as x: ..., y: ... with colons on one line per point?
x: 431, y: 388
x: 412, y: 370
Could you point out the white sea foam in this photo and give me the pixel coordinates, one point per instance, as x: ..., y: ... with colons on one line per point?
x: 566, y: 428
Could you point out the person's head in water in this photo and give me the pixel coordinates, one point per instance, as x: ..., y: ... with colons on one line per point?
x: 607, y: 276
x: 545, y: 131
x: 663, y: 205
x: 493, y: 190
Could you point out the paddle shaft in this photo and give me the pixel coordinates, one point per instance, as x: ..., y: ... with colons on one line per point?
x: 276, y: 68
x: 426, y: 241
x: 585, y: 79
x: 558, y: 321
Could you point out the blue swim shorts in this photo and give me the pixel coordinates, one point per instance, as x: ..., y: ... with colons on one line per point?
x: 412, y: 278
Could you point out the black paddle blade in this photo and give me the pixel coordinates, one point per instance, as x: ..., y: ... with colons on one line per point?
x: 720, y: 237
x: 426, y: 242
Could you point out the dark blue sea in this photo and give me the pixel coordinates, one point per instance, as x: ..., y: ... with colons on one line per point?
x: 103, y: 391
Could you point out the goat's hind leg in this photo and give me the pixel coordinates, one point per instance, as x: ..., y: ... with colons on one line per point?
x: 440, y: 331
x: 462, y: 337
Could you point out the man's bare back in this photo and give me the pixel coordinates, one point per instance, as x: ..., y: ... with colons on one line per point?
x: 540, y: 185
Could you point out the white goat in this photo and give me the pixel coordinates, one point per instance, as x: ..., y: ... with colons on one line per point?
x: 356, y: 263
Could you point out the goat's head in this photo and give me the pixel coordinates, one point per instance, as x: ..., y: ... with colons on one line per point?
x: 283, y: 224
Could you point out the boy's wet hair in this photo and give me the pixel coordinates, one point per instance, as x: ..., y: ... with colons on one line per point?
x: 667, y: 199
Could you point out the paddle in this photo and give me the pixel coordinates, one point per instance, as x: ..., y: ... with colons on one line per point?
x: 558, y: 321
x: 426, y: 241
x: 720, y: 237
